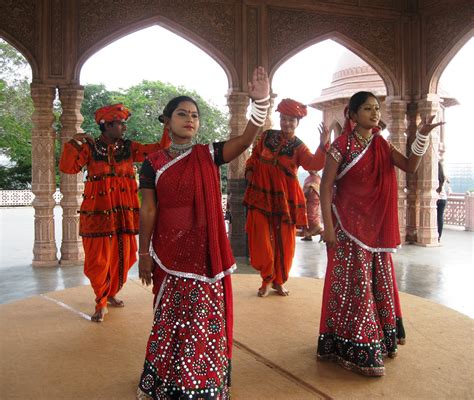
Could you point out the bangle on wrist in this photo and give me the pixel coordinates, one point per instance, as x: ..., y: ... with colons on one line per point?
x: 262, y: 100
x: 147, y: 253
x: 258, y: 113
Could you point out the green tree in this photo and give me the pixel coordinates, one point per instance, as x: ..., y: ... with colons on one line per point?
x: 16, y: 108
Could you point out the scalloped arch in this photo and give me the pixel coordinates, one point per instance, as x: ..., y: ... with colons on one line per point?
x: 445, y: 58
x: 185, y: 33
x: 391, y: 83
x: 24, y: 52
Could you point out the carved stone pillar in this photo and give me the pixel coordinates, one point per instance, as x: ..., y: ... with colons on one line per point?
x: 396, y: 110
x: 43, y: 182
x: 72, y: 252
x: 428, y: 179
x: 413, y: 203
x: 238, y: 103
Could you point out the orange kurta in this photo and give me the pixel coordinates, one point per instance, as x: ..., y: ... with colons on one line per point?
x: 276, y: 202
x: 109, y: 214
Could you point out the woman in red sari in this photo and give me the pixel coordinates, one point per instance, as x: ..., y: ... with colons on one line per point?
x: 361, y: 320
x: 184, y: 250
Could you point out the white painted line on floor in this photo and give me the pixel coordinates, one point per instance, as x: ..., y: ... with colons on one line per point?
x: 60, y: 303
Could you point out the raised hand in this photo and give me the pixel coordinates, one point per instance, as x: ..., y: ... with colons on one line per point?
x: 323, y: 134
x: 426, y: 126
x: 259, y: 87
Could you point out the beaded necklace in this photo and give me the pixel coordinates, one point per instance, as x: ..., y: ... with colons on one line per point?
x: 102, y: 148
x: 363, y: 141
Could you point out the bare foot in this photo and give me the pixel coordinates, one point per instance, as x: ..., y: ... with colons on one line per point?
x: 98, y: 316
x: 114, y: 302
x: 263, y: 291
x: 280, y: 289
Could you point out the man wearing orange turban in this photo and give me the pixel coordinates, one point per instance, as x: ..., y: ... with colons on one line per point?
x: 275, y: 201
x: 109, y: 211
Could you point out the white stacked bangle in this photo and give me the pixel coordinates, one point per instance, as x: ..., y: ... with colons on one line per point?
x: 258, y: 113
x: 420, y: 144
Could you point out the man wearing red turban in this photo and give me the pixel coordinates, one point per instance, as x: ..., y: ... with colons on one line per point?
x: 275, y: 201
x: 109, y: 211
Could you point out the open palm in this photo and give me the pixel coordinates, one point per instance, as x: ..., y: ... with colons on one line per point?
x: 259, y: 87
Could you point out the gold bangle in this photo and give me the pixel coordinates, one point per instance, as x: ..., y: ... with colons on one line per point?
x: 144, y: 254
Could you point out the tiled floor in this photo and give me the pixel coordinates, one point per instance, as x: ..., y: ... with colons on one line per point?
x: 442, y: 274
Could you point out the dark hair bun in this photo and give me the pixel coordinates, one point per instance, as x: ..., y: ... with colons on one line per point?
x: 161, y: 118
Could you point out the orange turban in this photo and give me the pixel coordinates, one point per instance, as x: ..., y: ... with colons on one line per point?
x: 292, y: 108
x: 114, y: 112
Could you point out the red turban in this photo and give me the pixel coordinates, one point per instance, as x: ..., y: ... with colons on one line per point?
x: 114, y: 112
x: 292, y: 108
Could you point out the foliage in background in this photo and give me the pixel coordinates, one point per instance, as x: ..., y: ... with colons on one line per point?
x: 16, y: 108
x: 145, y: 100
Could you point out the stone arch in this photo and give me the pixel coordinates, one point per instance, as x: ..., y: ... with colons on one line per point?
x: 391, y: 82
x: 444, y: 59
x: 185, y: 33
x: 24, y: 52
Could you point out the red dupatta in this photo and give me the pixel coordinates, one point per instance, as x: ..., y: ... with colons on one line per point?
x: 365, y: 200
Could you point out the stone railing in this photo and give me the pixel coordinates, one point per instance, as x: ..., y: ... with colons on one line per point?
x: 16, y: 198
x: 455, y: 211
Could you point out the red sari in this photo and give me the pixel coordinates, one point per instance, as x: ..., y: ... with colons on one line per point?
x: 190, y: 345
x: 361, y: 317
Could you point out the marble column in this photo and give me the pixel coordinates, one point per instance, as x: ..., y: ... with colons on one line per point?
x: 238, y: 103
x: 427, y: 178
x: 396, y: 110
x: 43, y: 183
x: 72, y: 186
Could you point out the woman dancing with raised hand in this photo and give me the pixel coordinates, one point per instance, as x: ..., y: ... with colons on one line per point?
x: 190, y: 260
x: 361, y: 320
